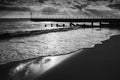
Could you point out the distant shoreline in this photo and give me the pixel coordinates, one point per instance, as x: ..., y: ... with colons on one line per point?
x: 60, y: 19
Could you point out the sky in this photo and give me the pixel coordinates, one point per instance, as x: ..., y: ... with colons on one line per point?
x: 58, y: 8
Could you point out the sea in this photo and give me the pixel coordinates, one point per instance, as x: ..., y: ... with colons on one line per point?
x: 82, y: 54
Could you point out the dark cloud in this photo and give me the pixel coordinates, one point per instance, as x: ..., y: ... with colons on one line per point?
x: 42, y: 1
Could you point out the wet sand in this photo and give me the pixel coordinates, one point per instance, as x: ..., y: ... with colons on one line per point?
x: 98, y: 63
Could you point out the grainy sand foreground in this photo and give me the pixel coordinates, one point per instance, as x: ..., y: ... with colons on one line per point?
x: 56, y: 43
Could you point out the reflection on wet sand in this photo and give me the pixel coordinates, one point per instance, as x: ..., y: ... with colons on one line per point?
x: 35, y: 68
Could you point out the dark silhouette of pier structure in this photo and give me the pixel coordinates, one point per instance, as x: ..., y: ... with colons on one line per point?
x: 113, y: 22
x: 103, y: 22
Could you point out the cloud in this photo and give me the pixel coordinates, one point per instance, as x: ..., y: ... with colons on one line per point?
x: 66, y: 7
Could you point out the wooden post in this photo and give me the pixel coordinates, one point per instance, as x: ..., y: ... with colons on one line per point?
x: 92, y: 24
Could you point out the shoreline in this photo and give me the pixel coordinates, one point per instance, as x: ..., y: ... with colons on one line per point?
x: 94, y: 63
x: 85, y: 57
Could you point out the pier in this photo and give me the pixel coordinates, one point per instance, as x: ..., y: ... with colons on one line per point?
x: 104, y: 22
x: 101, y: 21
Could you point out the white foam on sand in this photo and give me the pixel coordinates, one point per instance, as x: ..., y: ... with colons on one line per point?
x: 57, y: 43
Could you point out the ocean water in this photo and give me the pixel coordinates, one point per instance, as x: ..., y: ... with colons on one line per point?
x: 77, y: 54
